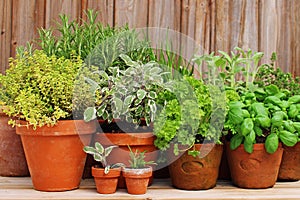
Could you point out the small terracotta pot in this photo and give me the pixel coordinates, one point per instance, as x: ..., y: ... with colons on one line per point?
x: 12, y: 158
x: 290, y: 165
x: 137, y: 180
x: 137, y: 141
x: 196, y: 173
x: 256, y: 170
x: 106, y: 183
x: 55, y: 155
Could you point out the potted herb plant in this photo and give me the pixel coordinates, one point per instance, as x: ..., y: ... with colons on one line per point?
x: 137, y: 175
x: 38, y: 92
x: 106, y: 178
x: 289, y: 86
x: 183, y: 126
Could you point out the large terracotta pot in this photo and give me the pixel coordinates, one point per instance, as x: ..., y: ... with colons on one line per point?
x: 256, y: 170
x: 12, y: 158
x: 137, y: 180
x: 290, y: 165
x: 137, y: 141
x: 106, y: 183
x: 55, y: 155
x: 196, y: 173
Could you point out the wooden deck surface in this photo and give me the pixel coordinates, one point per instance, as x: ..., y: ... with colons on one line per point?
x: 21, y: 189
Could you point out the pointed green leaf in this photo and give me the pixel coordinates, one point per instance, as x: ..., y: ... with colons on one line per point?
x: 98, y: 157
x: 90, y: 150
x: 272, y: 143
x: 108, y: 150
x: 236, y: 141
x: 248, y: 144
x: 288, y: 138
x: 128, y: 100
x: 99, y: 147
x: 118, y: 104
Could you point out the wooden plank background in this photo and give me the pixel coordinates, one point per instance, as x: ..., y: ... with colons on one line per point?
x: 262, y: 25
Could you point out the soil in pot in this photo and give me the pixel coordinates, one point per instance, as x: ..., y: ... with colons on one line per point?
x: 55, y: 155
x: 290, y: 165
x: 12, y: 158
x: 257, y: 170
x: 137, y: 180
x: 106, y: 183
x: 196, y: 173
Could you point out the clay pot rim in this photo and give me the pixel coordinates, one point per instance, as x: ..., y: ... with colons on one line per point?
x: 61, y: 128
x: 137, y: 173
x: 98, y: 172
x: 256, y: 147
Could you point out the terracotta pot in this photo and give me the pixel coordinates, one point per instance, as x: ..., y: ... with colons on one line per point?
x: 106, y: 183
x: 12, y: 158
x: 54, y: 154
x: 196, y: 173
x: 256, y: 170
x: 290, y: 165
x: 137, y: 141
x: 137, y: 180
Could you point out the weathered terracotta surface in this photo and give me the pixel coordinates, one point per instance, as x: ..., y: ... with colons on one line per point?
x: 256, y: 170
x: 196, y: 173
x: 137, y: 180
x: 55, y: 155
x: 106, y: 183
x: 12, y: 158
x: 290, y: 164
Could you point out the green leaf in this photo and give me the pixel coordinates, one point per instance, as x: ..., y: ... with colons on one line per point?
x: 294, y: 99
x: 288, y: 125
x: 90, y: 150
x: 259, y: 109
x: 272, y: 143
x: 252, y: 136
x: 155, y: 70
x: 297, y: 126
x: 263, y: 121
x: 128, y: 60
x: 272, y: 89
x: 108, y: 150
x: 152, y: 95
x: 235, y: 115
x: 118, y: 104
x: 246, y: 114
x: 236, y: 141
x: 288, y: 138
x: 89, y: 114
x: 141, y: 94
x: 277, y: 119
x: 258, y: 131
x: 247, y: 126
x: 99, y: 148
x: 128, y: 100
x: 101, y: 110
x: 248, y: 144
x: 98, y: 157
x: 293, y: 111
x: 274, y: 100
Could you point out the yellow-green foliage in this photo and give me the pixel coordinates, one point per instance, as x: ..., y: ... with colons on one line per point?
x: 38, y: 88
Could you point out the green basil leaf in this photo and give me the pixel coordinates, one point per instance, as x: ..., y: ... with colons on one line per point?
x: 248, y: 144
x: 277, y: 119
x: 294, y: 99
x: 293, y: 111
x: 236, y: 141
x: 246, y: 114
x: 297, y: 126
x: 258, y: 131
x: 288, y: 125
x: 274, y: 100
x: 288, y: 138
x: 272, y: 89
x: 263, y: 121
x: 235, y: 115
x: 259, y: 109
x: 272, y: 143
x: 247, y: 126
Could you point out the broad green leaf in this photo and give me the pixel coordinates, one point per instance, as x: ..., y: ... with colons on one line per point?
x: 274, y: 100
x: 281, y: 95
x: 246, y: 114
x: 288, y: 138
x: 152, y: 95
x: 272, y: 89
x: 89, y: 114
x: 247, y: 126
x: 155, y: 70
x: 101, y: 109
x: 263, y: 121
x: 297, y: 126
x: 252, y: 136
x: 98, y: 158
x: 141, y: 94
x: 236, y: 141
x: 236, y: 115
x: 99, y: 148
x: 294, y: 99
x: 128, y: 60
x: 272, y: 143
x: 288, y: 125
x: 277, y: 119
x: 259, y: 109
x: 248, y: 144
x: 293, y: 111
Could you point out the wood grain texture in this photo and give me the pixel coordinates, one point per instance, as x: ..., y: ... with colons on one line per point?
x: 131, y: 12
x: 27, y: 16
x: 161, y: 189
x: 104, y: 7
x: 5, y: 36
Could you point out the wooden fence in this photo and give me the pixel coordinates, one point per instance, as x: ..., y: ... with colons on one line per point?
x: 262, y: 25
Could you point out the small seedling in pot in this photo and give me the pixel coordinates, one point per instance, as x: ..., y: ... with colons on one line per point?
x: 100, y: 154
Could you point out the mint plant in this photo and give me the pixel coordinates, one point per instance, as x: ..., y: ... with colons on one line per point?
x: 100, y: 154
